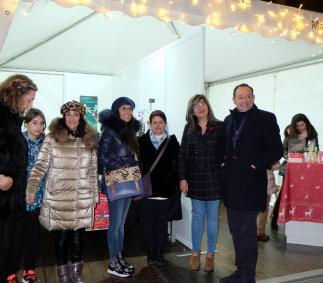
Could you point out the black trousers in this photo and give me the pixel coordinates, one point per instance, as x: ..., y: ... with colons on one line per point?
x: 154, y: 217
x: 31, y: 239
x: 68, y: 241
x: 243, y: 227
x: 11, y: 245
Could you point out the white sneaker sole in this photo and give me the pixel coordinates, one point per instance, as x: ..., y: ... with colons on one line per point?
x: 112, y: 272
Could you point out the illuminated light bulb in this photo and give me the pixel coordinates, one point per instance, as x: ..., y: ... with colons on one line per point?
x: 171, y: 2
x: 244, y: 4
x: 299, y: 25
x: 214, y: 19
x: 293, y: 34
x: 244, y: 28
x: 260, y: 19
x: 138, y: 9
x: 24, y: 13
x: 233, y: 8
x: 271, y: 13
x: 195, y: 2
x: 280, y: 25
x: 164, y: 14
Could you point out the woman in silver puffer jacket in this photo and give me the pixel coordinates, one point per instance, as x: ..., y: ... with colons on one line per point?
x: 68, y: 161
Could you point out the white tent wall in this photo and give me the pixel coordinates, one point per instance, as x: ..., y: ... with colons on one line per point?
x: 50, y: 95
x: 55, y: 89
x: 284, y: 93
x: 170, y: 76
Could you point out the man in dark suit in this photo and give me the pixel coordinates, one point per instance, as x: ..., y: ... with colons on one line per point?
x: 252, y: 145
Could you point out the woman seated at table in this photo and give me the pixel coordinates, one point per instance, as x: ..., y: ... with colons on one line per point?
x: 301, y: 129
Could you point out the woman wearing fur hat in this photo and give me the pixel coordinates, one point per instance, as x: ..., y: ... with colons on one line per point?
x: 69, y: 162
x: 118, y: 149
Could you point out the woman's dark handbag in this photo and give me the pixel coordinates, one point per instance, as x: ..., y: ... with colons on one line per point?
x: 124, y: 183
x: 146, y: 179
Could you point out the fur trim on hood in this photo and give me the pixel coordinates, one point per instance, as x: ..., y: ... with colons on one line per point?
x: 109, y: 120
x: 60, y: 134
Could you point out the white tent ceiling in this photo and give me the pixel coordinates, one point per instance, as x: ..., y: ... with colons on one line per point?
x: 55, y: 38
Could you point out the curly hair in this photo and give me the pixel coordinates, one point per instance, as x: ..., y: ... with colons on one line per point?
x: 13, y: 88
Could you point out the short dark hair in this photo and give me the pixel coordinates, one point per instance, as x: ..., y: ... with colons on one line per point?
x: 159, y: 113
x: 241, y: 85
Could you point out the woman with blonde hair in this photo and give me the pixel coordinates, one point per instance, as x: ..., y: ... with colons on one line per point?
x: 200, y: 158
x: 17, y: 94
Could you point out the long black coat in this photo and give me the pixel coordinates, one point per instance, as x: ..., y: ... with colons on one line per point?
x: 258, y: 144
x: 164, y: 177
x: 200, y: 160
x: 13, y: 163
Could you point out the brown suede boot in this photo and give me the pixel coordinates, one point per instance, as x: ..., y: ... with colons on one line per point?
x: 209, y: 263
x: 195, y: 261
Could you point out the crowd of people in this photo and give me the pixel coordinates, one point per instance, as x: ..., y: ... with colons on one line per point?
x: 54, y: 179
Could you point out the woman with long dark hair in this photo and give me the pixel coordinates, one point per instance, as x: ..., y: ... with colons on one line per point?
x: 301, y: 128
x: 200, y: 158
x: 68, y: 160
x: 17, y: 94
x: 118, y: 149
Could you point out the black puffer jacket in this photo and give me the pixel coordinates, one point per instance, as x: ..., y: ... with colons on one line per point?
x: 13, y: 163
x: 113, y: 153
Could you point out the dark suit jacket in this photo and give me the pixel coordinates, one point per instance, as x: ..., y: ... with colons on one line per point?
x: 259, y: 144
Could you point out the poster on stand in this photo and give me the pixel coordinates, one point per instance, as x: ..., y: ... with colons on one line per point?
x: 91, y: 103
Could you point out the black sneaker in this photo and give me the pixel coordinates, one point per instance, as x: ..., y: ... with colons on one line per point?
x: 116, y: 269
x: 126, y: 265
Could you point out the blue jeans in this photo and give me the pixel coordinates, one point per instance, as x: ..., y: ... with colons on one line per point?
x: 200, y: 210
x: 118, y: 211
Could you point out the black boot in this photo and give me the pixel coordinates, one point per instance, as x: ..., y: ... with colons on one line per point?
x: 159, y: 260
x: 150, y: 257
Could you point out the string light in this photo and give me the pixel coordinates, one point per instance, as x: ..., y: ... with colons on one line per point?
x: 270, y: 20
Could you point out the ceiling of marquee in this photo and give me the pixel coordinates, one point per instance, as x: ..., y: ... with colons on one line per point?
x: 54, y: 38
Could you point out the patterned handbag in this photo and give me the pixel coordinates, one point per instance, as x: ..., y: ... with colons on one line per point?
x: 124, y: 183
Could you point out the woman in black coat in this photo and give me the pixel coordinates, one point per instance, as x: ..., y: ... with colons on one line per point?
x: 16, y: 95
x: 118, y: 148
x: 200, y: 159
x: 164, y: 178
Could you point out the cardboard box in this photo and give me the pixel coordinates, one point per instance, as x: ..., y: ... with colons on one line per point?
x: 295, y: 157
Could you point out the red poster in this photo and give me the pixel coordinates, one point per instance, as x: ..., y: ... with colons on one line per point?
x: 101, y: 214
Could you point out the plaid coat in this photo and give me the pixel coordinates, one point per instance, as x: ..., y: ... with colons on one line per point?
x: 200, y: 159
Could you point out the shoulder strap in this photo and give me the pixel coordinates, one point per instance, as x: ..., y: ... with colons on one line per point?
x: 152, y: 167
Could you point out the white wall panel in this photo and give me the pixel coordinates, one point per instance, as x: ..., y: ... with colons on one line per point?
x: 285, y: 93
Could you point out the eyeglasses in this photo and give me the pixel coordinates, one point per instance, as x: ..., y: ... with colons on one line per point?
x: 199, y: 105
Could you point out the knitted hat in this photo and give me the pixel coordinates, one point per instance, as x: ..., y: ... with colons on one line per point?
x: 121, y: 101
x: 74, y: 106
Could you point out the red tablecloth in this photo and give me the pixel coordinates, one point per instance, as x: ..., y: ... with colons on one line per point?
x: 302, y: 193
